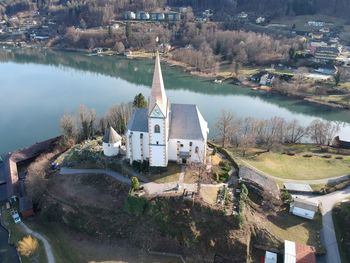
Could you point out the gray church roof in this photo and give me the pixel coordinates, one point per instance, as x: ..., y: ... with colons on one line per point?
x: 139, y: 121
x: 111, y: 136
x: 187, y: 122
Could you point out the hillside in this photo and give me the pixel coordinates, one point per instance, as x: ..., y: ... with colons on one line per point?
x: 280, y: 7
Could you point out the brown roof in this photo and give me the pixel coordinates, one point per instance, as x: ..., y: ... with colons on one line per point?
x: 304, y: 204
x: 158, y: 96
x: 305, y: 254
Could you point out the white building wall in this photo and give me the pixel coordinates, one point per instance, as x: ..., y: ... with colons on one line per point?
x: 111, y: 149
x: 195, y: 157
x: 303, y: 213
x: 158, y: 144
x: 133, y: 151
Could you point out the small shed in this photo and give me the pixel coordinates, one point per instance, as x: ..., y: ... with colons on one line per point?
x: 303, y: 208
x: 297, y: 188
x: 111, y: 142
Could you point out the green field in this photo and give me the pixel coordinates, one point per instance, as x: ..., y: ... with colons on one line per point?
x: 300, y: 167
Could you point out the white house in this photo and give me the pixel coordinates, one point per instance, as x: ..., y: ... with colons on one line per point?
x: 303, y: 208
x: 111, y: 142
x: 166, y: 132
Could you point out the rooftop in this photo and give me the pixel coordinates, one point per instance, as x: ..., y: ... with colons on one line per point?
x: 111, y: 136
x: 305, y: 204
x: 297, y: 187
x: 186, y: 122
x: 139, y: 121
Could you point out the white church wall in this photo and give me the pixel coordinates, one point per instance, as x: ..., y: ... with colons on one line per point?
x: 110, y: 149
x: 195, y: 157
x: 158, y: 156
x: 134, y: 152
x: 157, y: 137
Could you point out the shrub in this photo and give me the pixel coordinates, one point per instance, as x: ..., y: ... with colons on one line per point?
x: 28, y: 246
x: 136, y: 205
x: 286, y: 197
x: 214, y: 151
x: 134, y: 183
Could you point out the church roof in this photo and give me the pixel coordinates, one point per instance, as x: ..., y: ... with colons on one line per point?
x: 111, y: 136
x: 158, y: 95
x: 187, y: 123
x: 139, y: 121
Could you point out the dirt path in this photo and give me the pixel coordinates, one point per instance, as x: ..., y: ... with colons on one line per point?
x: 115, y: 175
x: 47, y: 246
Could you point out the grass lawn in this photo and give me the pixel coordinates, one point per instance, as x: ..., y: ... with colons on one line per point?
x: 171, y: 174
x: 301, y: 21
x: 299, y: 167
x: 341, y: 217
x: 17, y: 233
x: 289, y: 227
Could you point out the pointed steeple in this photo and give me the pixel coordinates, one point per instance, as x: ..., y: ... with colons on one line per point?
x: 158, y: 96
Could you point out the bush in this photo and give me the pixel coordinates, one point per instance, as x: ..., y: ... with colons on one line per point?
x: 134, y: 183
x: 286, y: 197
x: 214, y: 151
x: 28, y: 246
x: 136, y: 205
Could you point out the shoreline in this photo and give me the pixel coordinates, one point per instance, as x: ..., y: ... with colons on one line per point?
x: 213, y: 76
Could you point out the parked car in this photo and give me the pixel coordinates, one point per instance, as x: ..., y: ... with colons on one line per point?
x: 15, y: 216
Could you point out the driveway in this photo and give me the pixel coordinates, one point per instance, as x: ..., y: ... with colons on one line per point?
x: 328, y: 233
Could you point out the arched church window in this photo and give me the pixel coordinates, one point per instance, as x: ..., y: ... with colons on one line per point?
x: 196, y: 150
x: 156, y: 129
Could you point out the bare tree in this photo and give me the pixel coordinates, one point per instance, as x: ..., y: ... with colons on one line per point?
x: 225, y: 127
x: 294, y: 132
x: 69, y: 128
x: 118, y: 116
x: 323, y: 132
x: 87, y: 121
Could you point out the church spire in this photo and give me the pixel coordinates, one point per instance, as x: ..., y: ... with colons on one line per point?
x: 158, y: 96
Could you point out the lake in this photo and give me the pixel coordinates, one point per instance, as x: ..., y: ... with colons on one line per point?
x: 38, y: 85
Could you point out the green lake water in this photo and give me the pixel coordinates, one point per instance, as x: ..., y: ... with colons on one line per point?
x: 37, y: 86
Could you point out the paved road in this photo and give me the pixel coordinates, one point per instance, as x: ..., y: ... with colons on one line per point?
x: 47, y: 246
x: 328, y: 233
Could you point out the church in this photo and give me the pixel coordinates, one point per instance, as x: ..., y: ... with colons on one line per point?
x: 166, y: 131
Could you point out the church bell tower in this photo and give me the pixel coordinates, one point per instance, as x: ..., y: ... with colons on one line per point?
x: 158, y: 119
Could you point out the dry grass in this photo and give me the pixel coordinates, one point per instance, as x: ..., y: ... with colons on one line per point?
x: 172, y: 174
x: 209, y: 194
x: 299, y: 167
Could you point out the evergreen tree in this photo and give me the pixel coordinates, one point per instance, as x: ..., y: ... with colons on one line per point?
x: 139, y: 101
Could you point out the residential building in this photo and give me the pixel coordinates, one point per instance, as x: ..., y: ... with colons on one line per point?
x: 326, y: 53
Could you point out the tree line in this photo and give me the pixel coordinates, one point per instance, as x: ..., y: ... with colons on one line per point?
x: 245, y: 133
x: 85, y: 124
